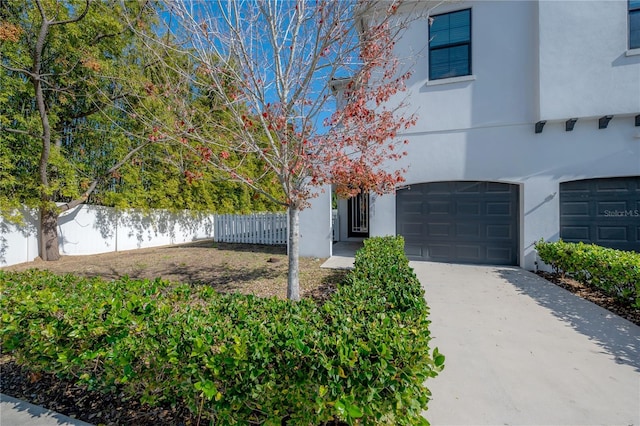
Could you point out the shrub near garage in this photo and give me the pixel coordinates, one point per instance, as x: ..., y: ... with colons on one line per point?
x: 362, y: 357
x: 384, y: 297
x: 616, y: 272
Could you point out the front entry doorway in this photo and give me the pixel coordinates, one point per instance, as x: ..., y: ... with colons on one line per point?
x: 358, y: 212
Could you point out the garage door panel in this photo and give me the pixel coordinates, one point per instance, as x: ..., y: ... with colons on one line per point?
x: 412, y: 250
x: 438, y: 207
x: 576, y: 187
x: 412, y: 229
x: 603, y: 211
x: 497, y: 188
x: 413, y: 207
x: 468, y: 230
x: 612, y: 234
x: 469, y: 253
x: 499, y: 255
x: 469, y: 222
x: 439, y: 251
x: 580, y: 208
x: 437, y: 188
x: 438, y: 230
x: 412, y: 196
x: 576, y: 233
x: 611, y: 207
x: 468, y: 187
x: 468, y: 208
x: 499, y: 209
x: 611, y: 185
x: 500, y: 232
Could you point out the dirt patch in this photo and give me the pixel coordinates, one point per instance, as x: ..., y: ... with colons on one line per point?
x: 238, y: 268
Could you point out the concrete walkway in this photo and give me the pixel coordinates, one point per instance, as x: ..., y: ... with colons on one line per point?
x: 522, y: 351
x: 343, y: 253
x: 14, y: 412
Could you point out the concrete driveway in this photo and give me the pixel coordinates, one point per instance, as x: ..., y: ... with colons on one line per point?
x: 522, y: 351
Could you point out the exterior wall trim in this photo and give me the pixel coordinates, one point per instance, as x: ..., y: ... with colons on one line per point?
x: 632, y: 52
x: 451, y: 80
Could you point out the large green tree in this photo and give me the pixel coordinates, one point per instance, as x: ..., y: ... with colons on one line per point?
x: 65, y: 66
x: 80, y: 108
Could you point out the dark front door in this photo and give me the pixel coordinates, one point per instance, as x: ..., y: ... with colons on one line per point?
x: 359, y: 216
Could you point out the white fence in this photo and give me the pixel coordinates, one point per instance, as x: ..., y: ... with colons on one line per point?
x: 96, y: 229
x: 259, y: 228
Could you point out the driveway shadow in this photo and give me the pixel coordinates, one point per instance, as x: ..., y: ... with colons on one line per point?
x: 17, y: 412
x: 616, y: 336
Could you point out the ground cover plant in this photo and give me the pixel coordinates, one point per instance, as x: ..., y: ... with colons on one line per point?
x: 615, y: 272
x: 361, y: 355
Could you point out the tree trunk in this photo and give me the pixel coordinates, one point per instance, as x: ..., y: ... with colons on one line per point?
x: 293, y: 281
x: 49, y: 233
x: 48, y: 238
x: 48, y: 246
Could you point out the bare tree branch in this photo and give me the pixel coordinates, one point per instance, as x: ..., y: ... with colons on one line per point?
x: 269, y: 63
x: 18, y: 70
x: 20, y: 132
x: 77, y: 18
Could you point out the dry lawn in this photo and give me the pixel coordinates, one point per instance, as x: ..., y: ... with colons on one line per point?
x: 240, y: 268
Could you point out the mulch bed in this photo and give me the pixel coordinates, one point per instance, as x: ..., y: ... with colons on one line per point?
x: 114, y: 409
x: 594, y: 295
x: 80, y: 403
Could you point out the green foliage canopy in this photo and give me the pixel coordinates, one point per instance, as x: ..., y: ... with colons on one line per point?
x: 103, y: 91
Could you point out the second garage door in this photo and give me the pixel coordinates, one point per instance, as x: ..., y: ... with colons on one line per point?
x: 459, y: 221
x: 602, y: 211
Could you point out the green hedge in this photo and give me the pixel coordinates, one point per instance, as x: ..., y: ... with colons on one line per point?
x: 614, y: 271
x: 361, y: 357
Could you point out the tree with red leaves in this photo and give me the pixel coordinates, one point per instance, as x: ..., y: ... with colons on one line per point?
x: 278, y: 58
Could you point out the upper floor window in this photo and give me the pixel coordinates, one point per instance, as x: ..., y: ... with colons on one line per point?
x: 634, y: 24
x: 450, y: 44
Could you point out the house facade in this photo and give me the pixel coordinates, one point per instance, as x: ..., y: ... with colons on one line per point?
x: 528, y: 128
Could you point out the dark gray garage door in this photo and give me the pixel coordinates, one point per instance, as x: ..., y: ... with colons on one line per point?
x: 601, y: 211
x: 466, y: 222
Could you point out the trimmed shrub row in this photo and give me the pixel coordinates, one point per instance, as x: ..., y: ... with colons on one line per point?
x: 361, y: 357
x: 614, y: 271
